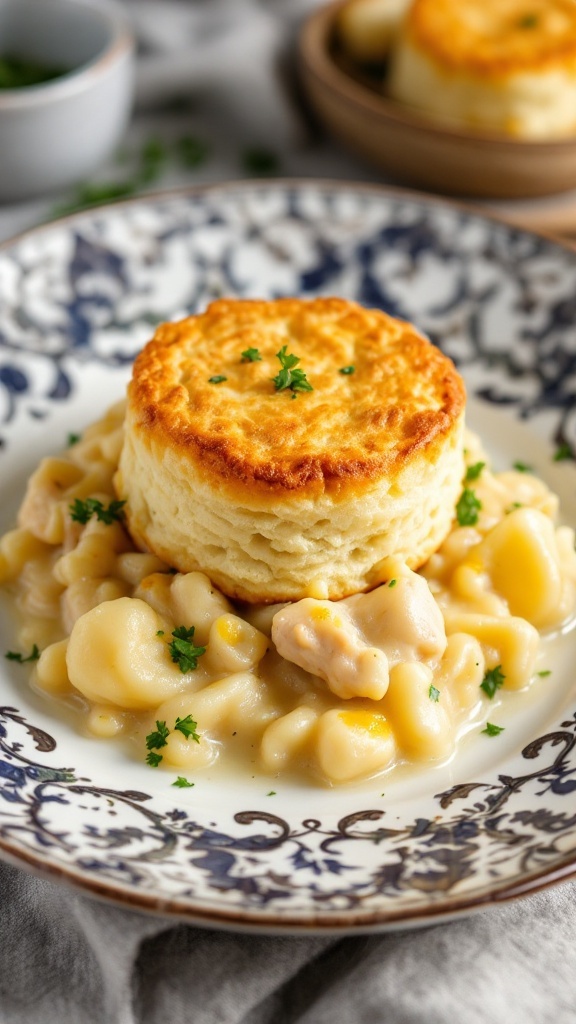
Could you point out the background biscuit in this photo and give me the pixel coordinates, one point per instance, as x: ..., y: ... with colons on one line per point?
x: 502, y: 65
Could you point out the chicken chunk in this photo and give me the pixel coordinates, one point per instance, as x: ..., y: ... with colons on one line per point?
x: 353, y: 643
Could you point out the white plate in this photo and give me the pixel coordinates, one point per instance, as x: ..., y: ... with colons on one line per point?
x: 78, y: 298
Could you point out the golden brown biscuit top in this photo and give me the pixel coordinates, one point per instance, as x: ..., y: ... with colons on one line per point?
x: 496, y: 37
x: 402, y: 397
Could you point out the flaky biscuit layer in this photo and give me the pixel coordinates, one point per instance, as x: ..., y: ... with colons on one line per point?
x: 272, y: 494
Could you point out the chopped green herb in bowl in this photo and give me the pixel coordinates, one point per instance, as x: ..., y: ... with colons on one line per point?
x: 19, y: 73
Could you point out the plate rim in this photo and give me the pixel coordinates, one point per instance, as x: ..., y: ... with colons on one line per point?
x: 287, y: 182
x: 253, y: 920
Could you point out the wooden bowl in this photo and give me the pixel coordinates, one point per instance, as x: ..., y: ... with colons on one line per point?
x: 412, y: 148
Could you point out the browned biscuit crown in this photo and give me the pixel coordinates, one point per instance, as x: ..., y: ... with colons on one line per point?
x: 270, y: 490
x: 495, y: 37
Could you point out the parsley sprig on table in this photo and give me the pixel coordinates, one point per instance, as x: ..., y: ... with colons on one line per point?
x: 191, y: 151
x: 260, y: 161
x: 290, y: 377
x: 562, y: 453
x: 148, y: 163
x: 183, y: 650
x: 82, y: 511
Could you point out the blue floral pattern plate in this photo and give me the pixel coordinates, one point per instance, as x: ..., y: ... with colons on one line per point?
x: 78, y: 298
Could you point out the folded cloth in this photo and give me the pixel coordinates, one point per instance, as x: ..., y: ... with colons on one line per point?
x: 67, y: 959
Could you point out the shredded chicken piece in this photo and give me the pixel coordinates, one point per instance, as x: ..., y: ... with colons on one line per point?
x: 352, y: 644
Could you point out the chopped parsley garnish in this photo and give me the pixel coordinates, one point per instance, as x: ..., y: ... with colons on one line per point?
x: 347, y: 370
x: 562, y: 453
x: 513, y: 506
x: 182, y: 783
x: 492, y: 681
x: 73, y: 439
x: 393, y: 583
x: 271, y: 793
x: 545, y: 672
x: 528, y: 21
x: 187, y: 726
x: 153, y: 759
x: 183, y: 651
x: 21, y: 658
x: 522, y: 467
x: 433, y: 693
x: 251, y: 355
x: 473, y: 472
x: 149, y: 162
x: 158, y: 737
x: 217, y: 379
x: 288, y: 376
x: 493, y: 730
x: 467, y: 508
x: 82, y: 511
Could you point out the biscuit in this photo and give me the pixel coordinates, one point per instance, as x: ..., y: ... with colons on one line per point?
x: 279, y: 494
x: 365, y: 28
x: 501, y: 65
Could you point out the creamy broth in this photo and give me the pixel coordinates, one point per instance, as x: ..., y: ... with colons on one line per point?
x: 365, y: 685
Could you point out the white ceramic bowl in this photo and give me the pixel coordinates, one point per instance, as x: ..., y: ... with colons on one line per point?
x: 59, y: 132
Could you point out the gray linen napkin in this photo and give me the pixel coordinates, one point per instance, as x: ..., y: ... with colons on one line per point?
x: 67, y: 959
